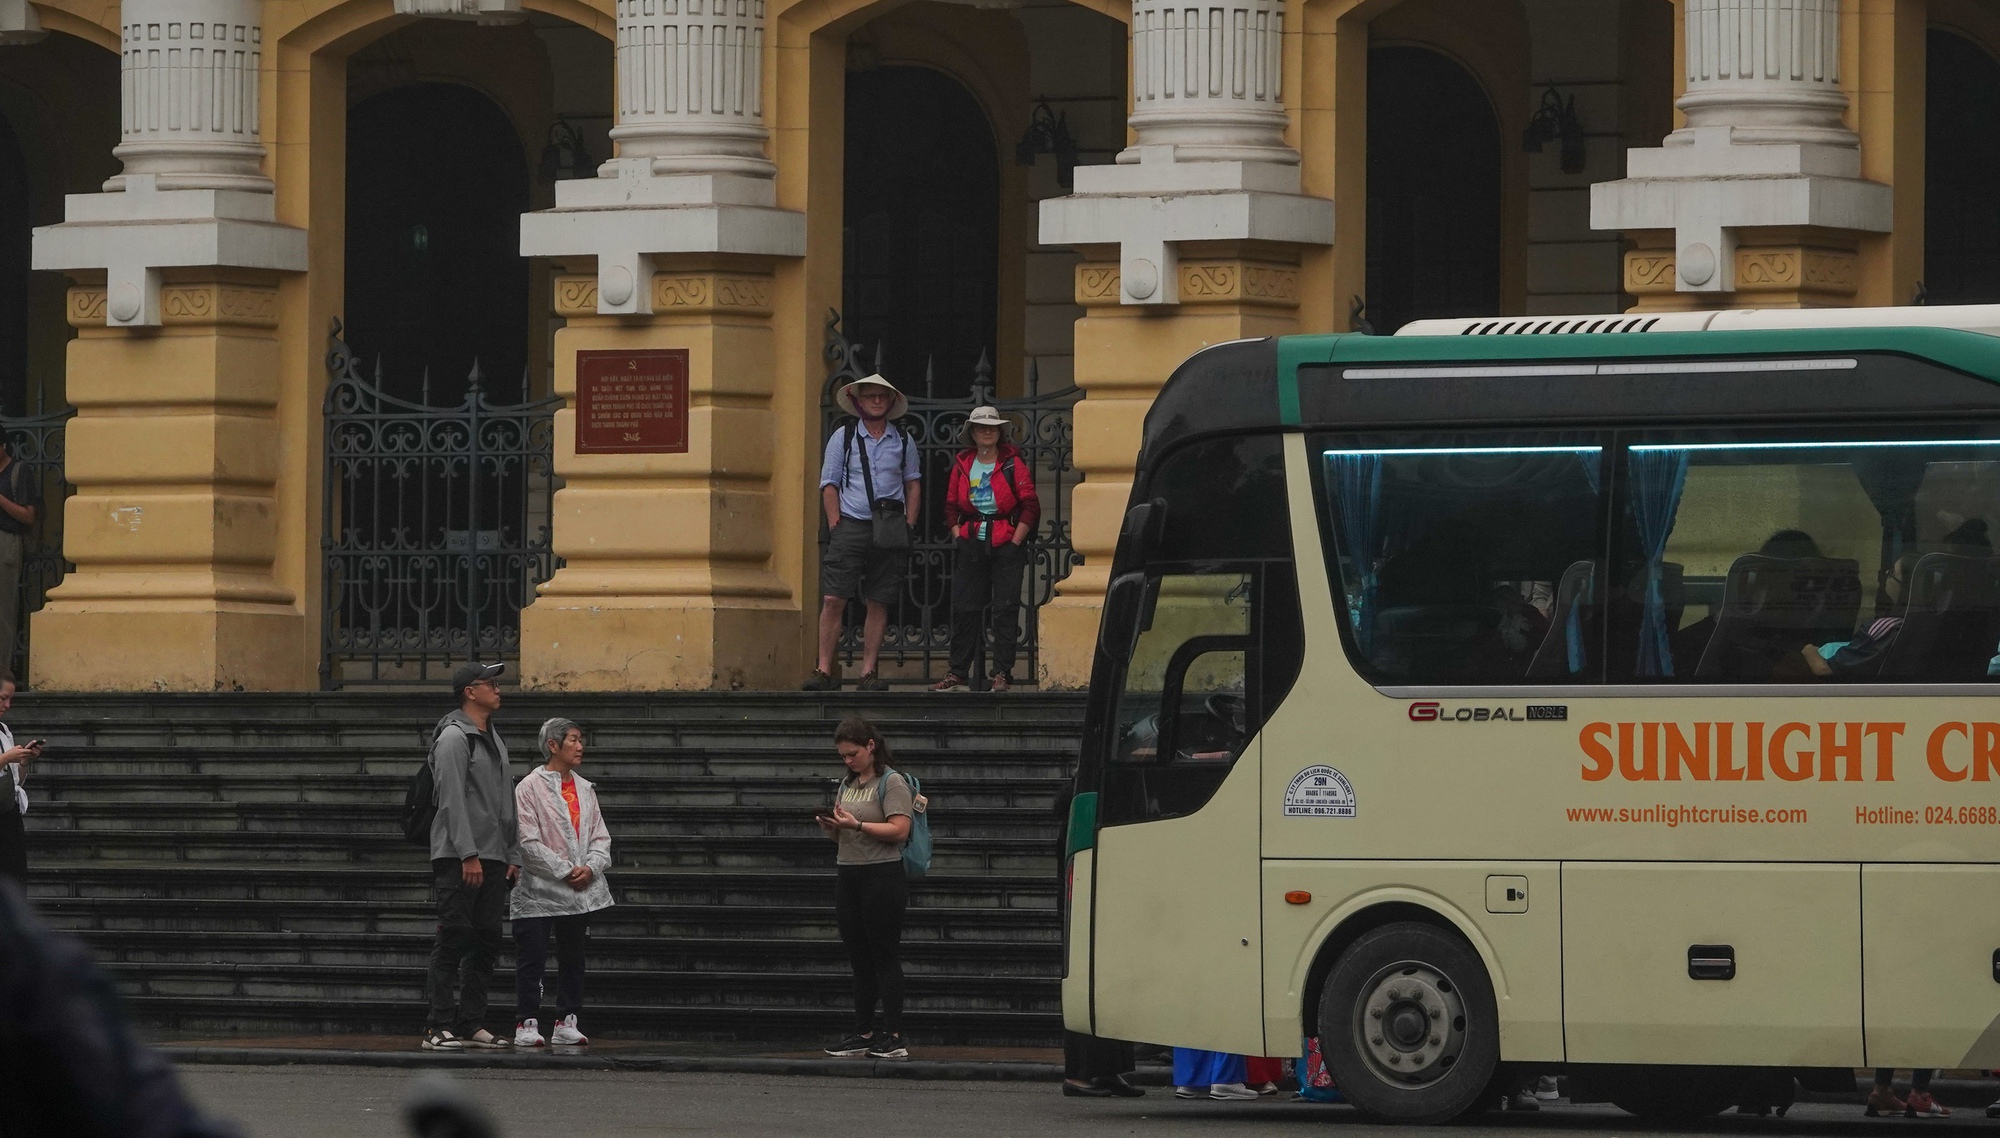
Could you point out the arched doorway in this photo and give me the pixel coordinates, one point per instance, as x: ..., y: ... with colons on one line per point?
x: 436, y: 185
x: 1433, y: 190
x: 17, y: 220
x: 1961, y: 167
x: 921, y: 226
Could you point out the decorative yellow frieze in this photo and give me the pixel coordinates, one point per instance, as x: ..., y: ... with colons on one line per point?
x: 1233, y: 281
x: 674, y: 293
x: 1783, y: 268
x: 198, y: 303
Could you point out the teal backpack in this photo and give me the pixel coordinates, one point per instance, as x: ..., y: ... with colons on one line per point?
x: 917, y: 847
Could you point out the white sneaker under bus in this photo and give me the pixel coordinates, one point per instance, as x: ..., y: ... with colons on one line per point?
x: 528, y: 1033
x: 566, y: 1034
x: 1231, y: 1091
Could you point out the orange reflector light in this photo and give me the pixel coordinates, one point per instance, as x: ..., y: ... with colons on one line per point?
x: 1298, y: 897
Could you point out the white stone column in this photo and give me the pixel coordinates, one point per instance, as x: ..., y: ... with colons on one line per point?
x: 1764, y: 144
x: 691, y: 175
x: 1209, y: 162
x: 193, y: 193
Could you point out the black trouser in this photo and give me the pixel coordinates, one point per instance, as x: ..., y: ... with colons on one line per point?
x: 531, y: 962
x: 13, y: 842
x: 986, y: 579
x: 1920, y: 1079
x: 1089, y: 1058
x: 868, y: 901
x: 468, y: 942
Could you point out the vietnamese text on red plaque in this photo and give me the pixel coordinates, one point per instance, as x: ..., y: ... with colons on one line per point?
x: 632, y: 402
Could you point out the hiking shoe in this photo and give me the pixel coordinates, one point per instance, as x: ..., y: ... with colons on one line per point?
x: 566, y: 1034
x: 1921, y: 1105
x: 952, y: 682
x: 1882, y: 1100
x: 486, y: 1039
x: 889, y: 1047
x: 820, y: 681
x: 856, y: 1044
x: 438, y: 1039
x: 870, y: 681
x: 528, y: 1033
x: 1001, y: 682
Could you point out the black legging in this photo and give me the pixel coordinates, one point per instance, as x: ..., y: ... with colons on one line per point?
x: 868, y: 901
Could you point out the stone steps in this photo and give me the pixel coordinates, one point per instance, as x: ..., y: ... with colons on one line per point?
x: 237, y: 859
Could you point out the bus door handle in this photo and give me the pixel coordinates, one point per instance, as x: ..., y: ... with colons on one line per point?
x: 1711, y: 962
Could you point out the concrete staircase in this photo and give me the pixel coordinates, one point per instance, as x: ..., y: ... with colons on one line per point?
x: 235, y: 859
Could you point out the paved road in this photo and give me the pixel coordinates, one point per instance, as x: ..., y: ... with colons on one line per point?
x: 364, y: 1102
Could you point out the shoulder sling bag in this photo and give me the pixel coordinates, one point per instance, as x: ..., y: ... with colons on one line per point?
x: 891, y: 525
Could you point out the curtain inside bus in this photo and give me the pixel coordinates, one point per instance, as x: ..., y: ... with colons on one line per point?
x: 1658, y: 477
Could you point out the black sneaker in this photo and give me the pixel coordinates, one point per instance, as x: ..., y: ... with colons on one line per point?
x: 851, y: 1046
x: 889, y: 1047
x: 872, y: 682
x: 820, y: 681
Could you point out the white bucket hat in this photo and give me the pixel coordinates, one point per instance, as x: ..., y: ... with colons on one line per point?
x: 844, y: 398
x: 987, y: 417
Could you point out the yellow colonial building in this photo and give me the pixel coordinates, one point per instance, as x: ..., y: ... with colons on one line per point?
x: 398, y: 331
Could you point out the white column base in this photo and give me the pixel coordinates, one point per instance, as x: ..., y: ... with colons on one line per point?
x: 134, y: 234
x: 627, y: 219
x: 1148, y: 208
x: 1708, y: 187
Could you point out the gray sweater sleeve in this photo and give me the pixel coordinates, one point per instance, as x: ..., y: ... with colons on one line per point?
x: 450, y: 758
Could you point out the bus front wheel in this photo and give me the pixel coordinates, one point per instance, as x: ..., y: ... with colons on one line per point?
x: 1408, y: 1025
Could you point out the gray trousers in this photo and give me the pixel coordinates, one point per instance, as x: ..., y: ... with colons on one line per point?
x: 10, y: 599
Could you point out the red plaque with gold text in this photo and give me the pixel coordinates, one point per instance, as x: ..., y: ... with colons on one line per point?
x: 632, y: 402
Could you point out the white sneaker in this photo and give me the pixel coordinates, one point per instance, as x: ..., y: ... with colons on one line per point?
x: 1190, y: 1092
x: 528, y: 1033
x: 1547, y: 1089
x: 1228, y: 1091
x: 566, y: 1034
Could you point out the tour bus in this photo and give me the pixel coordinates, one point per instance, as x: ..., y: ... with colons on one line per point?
x: 1605, y: 696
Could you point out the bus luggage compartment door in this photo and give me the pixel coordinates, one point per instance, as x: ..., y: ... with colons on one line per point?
x: 1643, y: 982
x: 1932, y: 984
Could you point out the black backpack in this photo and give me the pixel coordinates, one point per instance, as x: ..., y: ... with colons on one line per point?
x: 420, y: 801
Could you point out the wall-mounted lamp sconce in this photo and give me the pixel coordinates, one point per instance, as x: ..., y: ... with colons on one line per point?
x: 1048, y: 133
x: 565, y: 155
x: 1555, y: 120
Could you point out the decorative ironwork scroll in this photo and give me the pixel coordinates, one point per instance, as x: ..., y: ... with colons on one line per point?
x: 918, y: 642
x: 436, y: 527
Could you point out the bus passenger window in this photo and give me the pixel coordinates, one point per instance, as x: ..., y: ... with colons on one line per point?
x: 1466, y: 558
x: 1795, y: 556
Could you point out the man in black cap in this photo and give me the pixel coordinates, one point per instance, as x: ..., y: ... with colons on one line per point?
x: 475, y: 854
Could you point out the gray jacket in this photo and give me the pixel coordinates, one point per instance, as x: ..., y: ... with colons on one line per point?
x: 475, y: 793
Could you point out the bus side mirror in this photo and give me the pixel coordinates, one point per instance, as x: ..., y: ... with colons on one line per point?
x: 1143, y: 525
x: 1118, y: 630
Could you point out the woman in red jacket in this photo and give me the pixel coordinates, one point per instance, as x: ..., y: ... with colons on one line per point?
x: 991, y: 507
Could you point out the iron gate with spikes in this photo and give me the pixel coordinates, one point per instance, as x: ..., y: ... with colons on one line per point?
x: 918, y: 642
x: 435, y: 530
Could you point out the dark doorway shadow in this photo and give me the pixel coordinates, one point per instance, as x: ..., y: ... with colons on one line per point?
x: 1433, y: 190
x: 436, y: 185
x: 1961, y: 167
x: 922, y: 226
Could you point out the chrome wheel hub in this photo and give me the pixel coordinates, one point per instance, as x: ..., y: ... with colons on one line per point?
x: 1410, y: 1024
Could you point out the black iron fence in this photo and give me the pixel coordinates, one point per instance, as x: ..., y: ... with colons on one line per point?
x: 39, y: 442
x: 917, y: 644
x: 436, y: 527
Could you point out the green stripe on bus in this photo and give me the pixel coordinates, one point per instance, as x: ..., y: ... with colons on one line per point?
x: 1082, y: 823
x: 1974, y: 353
x: 1293, y: 351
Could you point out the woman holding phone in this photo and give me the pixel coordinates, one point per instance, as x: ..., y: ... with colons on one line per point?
x: 13, y: 795
x: 870, y: 821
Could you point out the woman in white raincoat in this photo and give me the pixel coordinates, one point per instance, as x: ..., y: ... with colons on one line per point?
x: 565, y: 850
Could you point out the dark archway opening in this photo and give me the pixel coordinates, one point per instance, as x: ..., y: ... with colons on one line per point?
x: 1961, y: 168
x: 921, y: 226
x: 1433, y: 190
x: 17, y: 223
x: 436, y: 185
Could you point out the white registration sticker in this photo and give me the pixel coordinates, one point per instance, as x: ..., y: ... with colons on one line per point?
x: 1319, y: 792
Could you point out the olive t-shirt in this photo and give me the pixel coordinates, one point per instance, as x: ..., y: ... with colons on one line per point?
x: 871, y: 803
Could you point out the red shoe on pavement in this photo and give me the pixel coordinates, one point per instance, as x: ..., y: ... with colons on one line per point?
x: 1921, y: 1105
x: 1882, y: 1100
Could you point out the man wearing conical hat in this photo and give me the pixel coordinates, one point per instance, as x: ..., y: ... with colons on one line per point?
x: 870, y: 470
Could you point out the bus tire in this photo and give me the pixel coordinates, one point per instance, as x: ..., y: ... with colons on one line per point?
x: 1408, y: 1025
